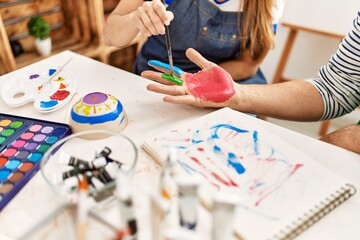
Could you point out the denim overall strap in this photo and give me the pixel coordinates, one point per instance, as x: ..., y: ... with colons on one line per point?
x: 198, y: 24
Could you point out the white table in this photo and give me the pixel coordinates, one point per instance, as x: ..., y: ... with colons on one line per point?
x: 149, y: 115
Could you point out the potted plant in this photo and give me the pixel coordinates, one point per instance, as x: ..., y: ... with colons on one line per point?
x: 39, y: 28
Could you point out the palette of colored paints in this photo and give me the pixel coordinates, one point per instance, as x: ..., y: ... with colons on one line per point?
x: 36, y: 87
x: 23, y: 142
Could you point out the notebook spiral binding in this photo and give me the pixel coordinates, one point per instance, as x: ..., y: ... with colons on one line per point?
x: 315, y: 214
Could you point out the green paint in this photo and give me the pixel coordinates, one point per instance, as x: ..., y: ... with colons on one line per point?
x: 2, y: 139
x: 172, y: 78
x: 8, y: 132
x: 358, y: 122
x: 16, y: 124
x: 43, y: 148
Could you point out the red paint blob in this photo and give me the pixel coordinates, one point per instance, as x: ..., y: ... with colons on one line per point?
x: 214, y: 84
x: 60, y: 95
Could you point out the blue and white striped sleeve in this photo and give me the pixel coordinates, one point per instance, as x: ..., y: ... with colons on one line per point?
x: 339, y: 81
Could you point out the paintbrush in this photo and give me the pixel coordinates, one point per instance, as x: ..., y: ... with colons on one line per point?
x: 55, y: 73
x: 168, y: 46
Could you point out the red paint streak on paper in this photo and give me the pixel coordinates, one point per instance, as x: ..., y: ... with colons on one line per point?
x: 214, y: 84
x: 296, y: 167
x: 215, y: 175
x: 60, y: 95
x: 62, y: 86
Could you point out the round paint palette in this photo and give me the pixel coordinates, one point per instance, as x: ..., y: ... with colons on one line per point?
x: 36, y: 87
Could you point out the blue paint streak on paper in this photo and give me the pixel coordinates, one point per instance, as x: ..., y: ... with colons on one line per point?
x: 48, y: 104
x: 256, y: 142
x: 98, y: 119
x: 231, y: 157
x: 217, y: 127
x: 51, y: 71
x: 194, y: 141
x: 234, y: 162
x: 217, y: 149
x: 157, y: 63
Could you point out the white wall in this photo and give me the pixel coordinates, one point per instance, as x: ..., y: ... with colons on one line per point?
x: 310, y: 51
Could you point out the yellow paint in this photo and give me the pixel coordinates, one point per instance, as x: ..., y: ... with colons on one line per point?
x: 79, y: 105
x: 86, y: 110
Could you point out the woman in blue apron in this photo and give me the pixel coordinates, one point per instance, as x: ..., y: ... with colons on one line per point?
x: 233, y: 40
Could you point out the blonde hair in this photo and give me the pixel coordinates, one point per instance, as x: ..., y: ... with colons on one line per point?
x: 256, y: 29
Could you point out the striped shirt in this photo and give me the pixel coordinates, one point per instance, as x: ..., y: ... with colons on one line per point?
x: 339, y: 81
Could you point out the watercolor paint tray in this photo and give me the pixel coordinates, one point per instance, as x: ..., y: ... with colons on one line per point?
x: 35, y: 87
x: 23, y: 142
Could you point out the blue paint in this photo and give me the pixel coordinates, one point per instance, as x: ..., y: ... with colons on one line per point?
x: 221, y: 1
x: 34, y: 157
x: 166, y: 66
x: 122, y: 120
x: 4, y: 174
x: 234, y: 162
x: 13, y: 164
x: 230, y: 127
x: 193, y: 140
x: 48, y: 104
x: 51, y: 71
x: 256, y: 142
x: 217, y: 149
x: 51, y: 139
x: 98, y: 119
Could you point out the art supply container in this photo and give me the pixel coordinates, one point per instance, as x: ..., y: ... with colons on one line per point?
x: 99, y: 160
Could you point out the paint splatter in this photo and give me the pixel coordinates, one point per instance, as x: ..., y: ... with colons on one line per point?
x: 60, y: 95
x: 33, y: 76
x: 48, y: 104
x: 51, y: 71
x: 207, y: 84
x: 62, y: 86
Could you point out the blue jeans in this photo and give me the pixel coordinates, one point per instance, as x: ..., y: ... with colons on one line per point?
x: 201, y: 25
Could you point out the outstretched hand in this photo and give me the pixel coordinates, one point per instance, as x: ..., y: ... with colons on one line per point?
x: 210, y: 87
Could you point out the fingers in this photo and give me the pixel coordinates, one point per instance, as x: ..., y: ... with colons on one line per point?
x: 198, y: 59
x: 184, y: 99
x: 164, y: 67
x: 151, y: 18
x: 173, y: 90
x: 155, y: 76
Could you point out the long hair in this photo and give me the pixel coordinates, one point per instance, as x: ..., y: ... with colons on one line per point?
x: 256, y: 29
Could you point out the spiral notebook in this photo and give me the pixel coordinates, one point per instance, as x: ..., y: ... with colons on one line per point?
x: 283, y: 191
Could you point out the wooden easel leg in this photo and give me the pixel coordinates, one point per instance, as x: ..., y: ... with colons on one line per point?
x: 284, y: 57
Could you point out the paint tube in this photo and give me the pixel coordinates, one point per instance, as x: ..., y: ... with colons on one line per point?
x: 82, y: 164
x: 188, y: 199
x: 128, y: 225
x: 223, y: 212
x: 159, y: 209
x: 83, y: 209
x: 71, y: 183
x: 108, y: 173
x: 104, y: 153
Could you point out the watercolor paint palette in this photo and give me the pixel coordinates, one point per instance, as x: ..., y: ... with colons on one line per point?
x: 35, y: 87
x: 23, y: 142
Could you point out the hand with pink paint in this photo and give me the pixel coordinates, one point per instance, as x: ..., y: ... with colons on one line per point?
x: 210, y: 87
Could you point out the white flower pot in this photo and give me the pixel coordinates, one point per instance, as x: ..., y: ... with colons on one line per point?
x: 43, y: 46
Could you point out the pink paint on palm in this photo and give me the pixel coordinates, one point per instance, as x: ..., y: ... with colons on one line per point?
x: 214, y: 84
